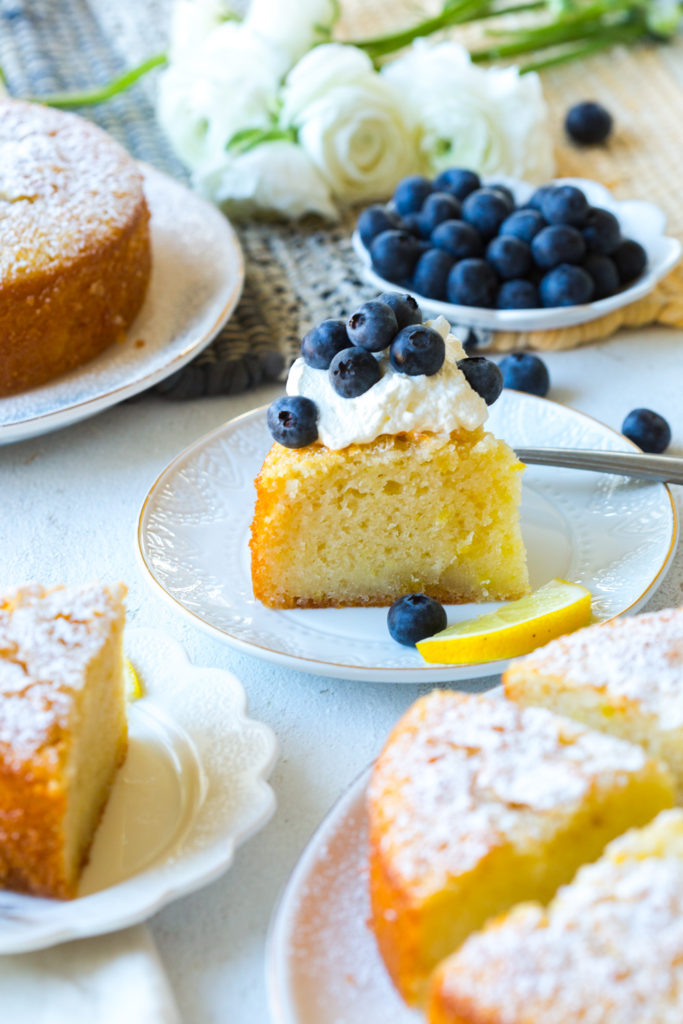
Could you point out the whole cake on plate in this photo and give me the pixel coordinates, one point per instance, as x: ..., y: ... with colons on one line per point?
x: 382, y: 480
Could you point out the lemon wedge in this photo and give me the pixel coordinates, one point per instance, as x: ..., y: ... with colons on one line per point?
x: 132, y: 681
x: 517, y: 628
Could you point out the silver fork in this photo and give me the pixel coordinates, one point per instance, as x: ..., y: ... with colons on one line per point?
x: 665, y: 468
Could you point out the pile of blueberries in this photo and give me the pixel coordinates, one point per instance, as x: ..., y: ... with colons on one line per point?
x: 455, y: 240
x: 349, y: 350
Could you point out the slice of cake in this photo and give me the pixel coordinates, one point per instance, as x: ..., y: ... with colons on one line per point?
x: 624, y: 677
x: 476, y: 804
x: 62, y: 729
x: 395, y: 488
x: 608, y: 950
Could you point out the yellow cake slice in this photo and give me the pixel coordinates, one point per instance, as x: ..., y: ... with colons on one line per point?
x: 608, y: 950
x: 476, y: 804
x: 62, y: 729
x: 624, y: 677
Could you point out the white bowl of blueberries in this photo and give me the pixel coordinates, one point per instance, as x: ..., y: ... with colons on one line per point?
x: 502, y: 255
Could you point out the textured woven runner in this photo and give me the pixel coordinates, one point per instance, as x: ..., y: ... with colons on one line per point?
x: 299, y: 274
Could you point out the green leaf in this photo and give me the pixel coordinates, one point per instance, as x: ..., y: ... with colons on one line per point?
x: 248, y: 138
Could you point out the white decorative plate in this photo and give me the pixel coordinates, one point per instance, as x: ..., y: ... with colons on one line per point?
x: 322, y: 961
x: 196, y: 282
x: 194, y: 529
x: 192, y: 788
x: 640, y: 220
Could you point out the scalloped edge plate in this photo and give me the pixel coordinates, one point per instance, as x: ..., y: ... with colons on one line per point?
x: 191, y: 790
x: 639, y: 219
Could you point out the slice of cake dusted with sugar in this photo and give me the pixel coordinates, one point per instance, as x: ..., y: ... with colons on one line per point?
x: 476, y: 804
x: 62, y: 729
x: 608, y: 950
x: 624, y: 677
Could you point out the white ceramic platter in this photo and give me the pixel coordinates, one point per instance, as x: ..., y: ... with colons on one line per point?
x: 614, y: 535
x: 196, y: 282
x: 322, y: 962
x: 192, y: 788
x: 640, y: 220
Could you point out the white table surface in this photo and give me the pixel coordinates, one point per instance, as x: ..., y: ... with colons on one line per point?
x: 69, y: 508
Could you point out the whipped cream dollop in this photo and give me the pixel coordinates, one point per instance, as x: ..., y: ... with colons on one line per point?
x: 397, y: 403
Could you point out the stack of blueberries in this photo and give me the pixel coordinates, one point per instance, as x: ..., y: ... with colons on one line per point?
x: 455, y: 240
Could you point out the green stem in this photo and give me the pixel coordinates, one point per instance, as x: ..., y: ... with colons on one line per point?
x: 101, y: 93
x: 578, y: 52
x: 454, y: 14
x: 554, y: 36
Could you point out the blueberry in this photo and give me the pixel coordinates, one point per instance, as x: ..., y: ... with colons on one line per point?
x: 647, y: 429
x: 372, y: 326
x: 557, y: 244
x: 415, y: 617
x: 472, y: 282
x: 509, y: 256
x: 293, y: 421
x: 417, y: 349
x: 537, y: 198
x: 566, y: 285
x: 412, y: 222
x: 431, y: 273
x: 483, y: 376
x: 439, y: 206
x: 604, y: 273
x: 461, y: 240
x: 588, y: 123
x: 523, y: 224
x: 406, y: 309
x: 411, y: 193
x: 394, y: 255
x: 601, y: 231
x: 374, y: 220
x: 458, y: 181
x: 485, y: 210
x: 353, y: 371
x: 525, y: 372
x: 630, y: 259
x: 565, y: 204
x: 518, y: 294
x: 321, y: 344
x: 505, y: 192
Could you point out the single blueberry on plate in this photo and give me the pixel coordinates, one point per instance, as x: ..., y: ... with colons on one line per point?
x: 374, y: 220
x: 461, y: 240
x: 524, y: 371
x: 458, y: 181
x: 483, y: 376
x: 604, y: 273
x: 485, y: 210
x: 565, y: 204
x: 472, y: 282
x: 509, y: 256
x: 406, y: 309
x: 505, y: 192
x: 411, y: 193
x: 519, y: 293
x: 353, y: 371
x: 566, y: 285
x: 647, y: 429
x: 431, y: 273
x: 523, y: 224
x: 557, y: 244
x: 601, y: 231
x: 588, y: 123
x: 439, y: 206
x: 293, y: 421
x: 630, y: 260
x: 417, y: 349
x: 537, y: 198
x: 321, y: 344
x: 415, y: 617
x: 372, y: 326
x: 394, y: 255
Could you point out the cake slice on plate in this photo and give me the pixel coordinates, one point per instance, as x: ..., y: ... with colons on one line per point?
x: 63, y: 729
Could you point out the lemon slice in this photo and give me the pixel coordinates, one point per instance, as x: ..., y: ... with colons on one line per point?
x: 517, y: 628
x: 132, y: 681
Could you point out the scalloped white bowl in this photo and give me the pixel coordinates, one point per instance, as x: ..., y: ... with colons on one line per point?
x: 640, y: 220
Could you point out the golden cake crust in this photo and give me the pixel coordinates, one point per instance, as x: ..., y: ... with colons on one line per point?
x: 75, y: 257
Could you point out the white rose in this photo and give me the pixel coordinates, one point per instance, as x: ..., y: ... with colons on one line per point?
x: 350, y: 121
x: 293, y: 27
x: 493, y: 120
x: 191, y: 22
x: 274, y: 176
